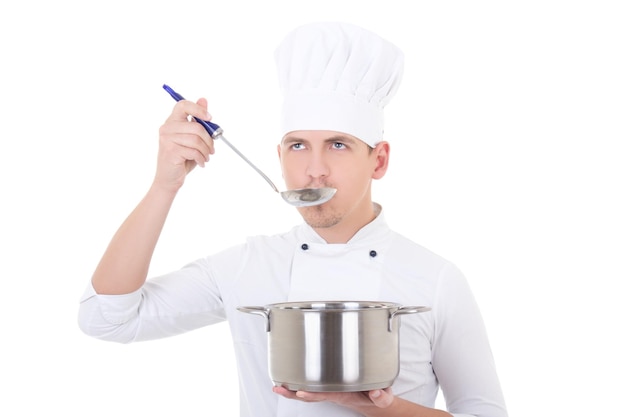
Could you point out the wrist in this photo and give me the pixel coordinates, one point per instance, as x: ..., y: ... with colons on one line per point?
x: 164, y: 190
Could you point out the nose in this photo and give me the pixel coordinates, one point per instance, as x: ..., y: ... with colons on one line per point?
x: 317, y: 167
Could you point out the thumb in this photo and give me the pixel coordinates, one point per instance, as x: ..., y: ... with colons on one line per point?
x: 381, y: 398
x: 202, y: 102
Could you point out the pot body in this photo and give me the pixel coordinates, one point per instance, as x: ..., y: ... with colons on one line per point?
x: 333, y: 346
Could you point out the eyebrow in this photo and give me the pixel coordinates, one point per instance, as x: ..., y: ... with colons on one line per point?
x: 331, y: 139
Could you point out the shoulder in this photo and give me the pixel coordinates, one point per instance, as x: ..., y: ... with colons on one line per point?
x: 258, y: 245
x: 407, y: 251
x: 277, y: 241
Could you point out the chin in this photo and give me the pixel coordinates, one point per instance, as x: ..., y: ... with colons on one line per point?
x: 319, y: 217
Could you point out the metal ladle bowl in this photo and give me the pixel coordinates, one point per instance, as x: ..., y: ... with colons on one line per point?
x: 303, y: 197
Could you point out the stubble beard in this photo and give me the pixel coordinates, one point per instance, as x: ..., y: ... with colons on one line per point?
x: 320, y: 218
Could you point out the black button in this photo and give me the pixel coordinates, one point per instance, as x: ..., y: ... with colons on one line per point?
x: 304, y: 246
x: 373, y: 253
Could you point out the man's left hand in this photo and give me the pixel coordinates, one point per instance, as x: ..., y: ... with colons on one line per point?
x: 381, y: 398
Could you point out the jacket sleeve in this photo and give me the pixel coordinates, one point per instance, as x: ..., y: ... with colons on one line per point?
x: 462, y: 357
x: 167, y: 305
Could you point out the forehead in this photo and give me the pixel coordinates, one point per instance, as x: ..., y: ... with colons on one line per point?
x: 321, y: 136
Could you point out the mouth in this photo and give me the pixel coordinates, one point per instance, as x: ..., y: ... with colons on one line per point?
x: 310, y: 195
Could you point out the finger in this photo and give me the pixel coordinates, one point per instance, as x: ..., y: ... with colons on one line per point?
x: 185, y: 108
x: 176, y: 154
x: 312, y: 396
x: 187, y: 134
x: 202, y: 102
x: 188, y: 141
x: 183, y: 112
x: 284, y: 392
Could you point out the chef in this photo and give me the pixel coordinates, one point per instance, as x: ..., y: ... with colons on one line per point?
x: 336, y: 79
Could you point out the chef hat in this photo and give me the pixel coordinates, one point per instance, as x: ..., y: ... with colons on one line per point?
x: 337, y: 76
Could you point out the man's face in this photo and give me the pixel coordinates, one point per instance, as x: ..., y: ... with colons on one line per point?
x: 320, y: 158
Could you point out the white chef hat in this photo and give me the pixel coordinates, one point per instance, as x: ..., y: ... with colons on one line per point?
x: 337, y: 76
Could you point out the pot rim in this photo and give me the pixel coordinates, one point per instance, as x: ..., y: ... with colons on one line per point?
x: 333, y: 305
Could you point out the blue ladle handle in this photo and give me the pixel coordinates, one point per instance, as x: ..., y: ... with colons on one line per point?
x: 213, y: 129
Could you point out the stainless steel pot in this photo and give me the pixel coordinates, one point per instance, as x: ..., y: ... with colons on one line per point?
x: 333, y: 345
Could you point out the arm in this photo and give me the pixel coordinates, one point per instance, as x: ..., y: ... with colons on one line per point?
x: 182, y: 145
x: 462, y: 357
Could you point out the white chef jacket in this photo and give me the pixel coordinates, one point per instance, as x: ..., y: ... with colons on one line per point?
x: 446, y: 347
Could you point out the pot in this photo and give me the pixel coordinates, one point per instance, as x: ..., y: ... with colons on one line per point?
x: 339, y: 346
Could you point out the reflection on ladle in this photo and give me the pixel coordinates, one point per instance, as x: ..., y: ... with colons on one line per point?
x: 303, y: 197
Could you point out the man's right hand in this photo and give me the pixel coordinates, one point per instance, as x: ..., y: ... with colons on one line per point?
x: 183, y: 144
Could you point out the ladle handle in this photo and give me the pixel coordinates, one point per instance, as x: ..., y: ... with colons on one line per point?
x: 216, y: 133
x: 213, y: 129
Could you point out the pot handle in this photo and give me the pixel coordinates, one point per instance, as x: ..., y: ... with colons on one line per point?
x: 260, y: 311
x: 404, y: 310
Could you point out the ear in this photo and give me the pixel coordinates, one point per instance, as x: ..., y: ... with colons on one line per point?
x: 381, y: 157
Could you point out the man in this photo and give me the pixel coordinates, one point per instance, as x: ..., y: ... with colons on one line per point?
x: 336, y: 79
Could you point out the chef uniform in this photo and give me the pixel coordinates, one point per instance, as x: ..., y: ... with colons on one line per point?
x: 334, y: 77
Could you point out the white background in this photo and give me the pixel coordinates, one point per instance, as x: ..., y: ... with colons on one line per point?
x: 507, y: 158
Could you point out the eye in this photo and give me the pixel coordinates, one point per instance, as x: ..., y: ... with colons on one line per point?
x: 297, y: 146
x: 339, y: 145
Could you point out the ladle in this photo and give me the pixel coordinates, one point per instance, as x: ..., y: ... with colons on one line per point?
x: 303, y: 197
